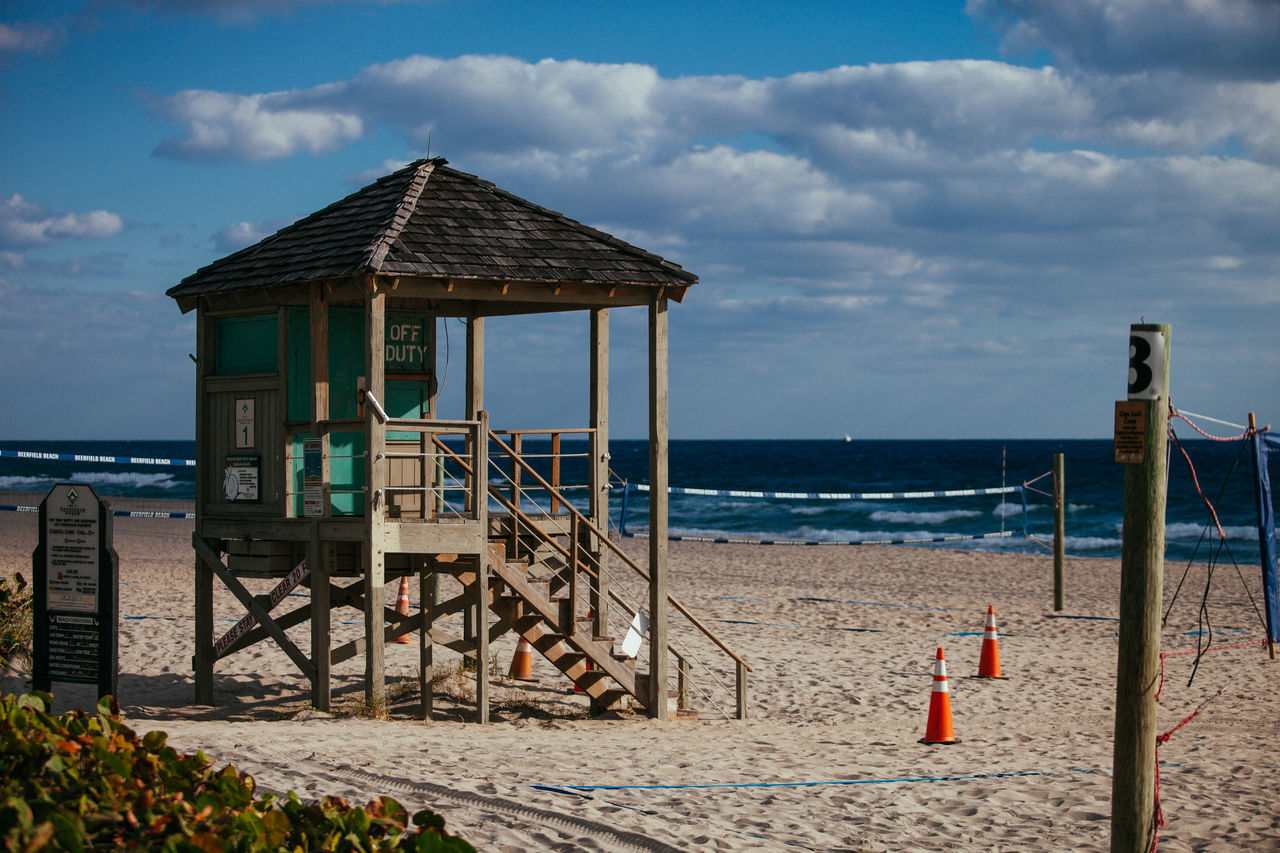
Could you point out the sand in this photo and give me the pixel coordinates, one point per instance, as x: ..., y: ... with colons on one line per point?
x: 842, y: 641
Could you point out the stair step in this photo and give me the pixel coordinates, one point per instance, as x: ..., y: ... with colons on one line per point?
x: 609, y: 698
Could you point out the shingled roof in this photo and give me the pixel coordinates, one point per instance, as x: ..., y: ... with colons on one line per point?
x: 431, y: 221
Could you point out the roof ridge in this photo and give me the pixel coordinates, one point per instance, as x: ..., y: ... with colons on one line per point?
x: 382, y: 242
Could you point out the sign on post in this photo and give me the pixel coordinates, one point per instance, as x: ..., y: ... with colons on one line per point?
x: 312, y: 478
x: 75, y: 606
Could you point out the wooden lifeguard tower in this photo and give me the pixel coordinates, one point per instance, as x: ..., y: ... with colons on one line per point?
x: 320, y: 456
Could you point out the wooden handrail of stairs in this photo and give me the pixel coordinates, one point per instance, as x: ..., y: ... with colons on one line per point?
x: 604, y: 537
x: 582, y: 519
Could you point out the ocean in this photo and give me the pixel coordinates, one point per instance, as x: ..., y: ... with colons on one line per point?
x: 1094, y: 489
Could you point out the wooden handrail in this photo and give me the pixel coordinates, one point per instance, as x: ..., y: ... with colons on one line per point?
x: 567, y: 431
x: 582, y: 519
x: 604, y: 537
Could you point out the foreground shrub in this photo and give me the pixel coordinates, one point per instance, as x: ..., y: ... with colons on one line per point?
x: 15, y: 621
x: 82, y: 782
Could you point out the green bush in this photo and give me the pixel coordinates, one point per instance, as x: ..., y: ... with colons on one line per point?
x: 81, y: 782
x: 15, y: 620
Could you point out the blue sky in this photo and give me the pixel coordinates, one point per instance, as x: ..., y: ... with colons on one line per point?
x: 910, y: 220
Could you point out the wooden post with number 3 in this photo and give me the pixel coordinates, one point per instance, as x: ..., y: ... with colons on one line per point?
x: 1141, y: 579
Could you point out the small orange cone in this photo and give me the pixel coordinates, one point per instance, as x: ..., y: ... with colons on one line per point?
x: 402, y: 607
x: 989, y: 663
x: 938, y: 729
x: 522, y: 661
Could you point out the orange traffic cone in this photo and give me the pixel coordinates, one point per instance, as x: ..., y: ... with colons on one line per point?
x: 522, y: 661
x: 938, y: 729
x: 402, y: 607
x: 989, y: 663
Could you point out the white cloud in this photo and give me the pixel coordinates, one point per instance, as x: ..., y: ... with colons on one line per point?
x: 24, y: 223
x: 238, y: 235
x: 1228, y: 39
x: 936, y: 212
x: 252, y: 127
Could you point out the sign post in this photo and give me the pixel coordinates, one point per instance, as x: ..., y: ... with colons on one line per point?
x: 1146, y: 476
x: 75, y: 603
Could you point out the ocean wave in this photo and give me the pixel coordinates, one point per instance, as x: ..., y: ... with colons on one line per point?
x: 819, y: 534
x: 1007, y: 509
x: 25, y: 484
x: 1090, y: 543
x: 938, y: 517
x: 1186, y: 530
x: 131, y: 480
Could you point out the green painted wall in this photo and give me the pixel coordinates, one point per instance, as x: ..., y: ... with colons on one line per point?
x: 410, y: 347
x: 245, y: 345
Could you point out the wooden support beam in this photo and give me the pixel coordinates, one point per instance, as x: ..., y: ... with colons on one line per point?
x: 211, y: 559
x: 481, y: 606
x: 599, y: 466
x: 320, y: 385
x: 319, y: 556
x: 428, y: 596
x: 475, y: 366
x: 373, y: 552
x: 658, y: 499
x: 202, y: 661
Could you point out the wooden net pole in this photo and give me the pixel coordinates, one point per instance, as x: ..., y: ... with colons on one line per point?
x: 1141, y: 583
x: 1059, y: 531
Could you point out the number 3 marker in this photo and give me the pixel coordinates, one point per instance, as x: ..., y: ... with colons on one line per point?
x: 1146, y: 364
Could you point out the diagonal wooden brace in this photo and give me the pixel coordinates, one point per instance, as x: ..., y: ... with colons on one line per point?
x: 211, y: 559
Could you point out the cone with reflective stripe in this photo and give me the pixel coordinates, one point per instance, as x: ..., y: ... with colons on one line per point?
x: 402, y: 607
x: 938, y: 729
x: 522, y: 661
x: 989, y: 663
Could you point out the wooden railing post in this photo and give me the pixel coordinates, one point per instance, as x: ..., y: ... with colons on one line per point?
x: 682, y: 682
x: 575, y: 550
x: 742, y: 690
x: 517, y: 446
x: 555, y: 473
x: 480, y: 609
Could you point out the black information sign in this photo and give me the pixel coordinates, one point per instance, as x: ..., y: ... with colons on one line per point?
x: 75, y: 604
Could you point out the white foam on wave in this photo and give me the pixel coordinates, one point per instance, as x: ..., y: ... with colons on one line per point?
x: 25, y: 484
x: 1090, y: 543
x: 938, y: 517
x: 1006, y: 509
x: 128, y: 479
x: 1185, y: 530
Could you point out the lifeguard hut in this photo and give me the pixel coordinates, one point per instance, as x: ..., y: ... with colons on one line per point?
x: 321, y: 459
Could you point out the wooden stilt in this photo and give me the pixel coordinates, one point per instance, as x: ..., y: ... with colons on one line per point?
x: 202, y: 663
x: 318, y: 562
x: 658, y: 498
x: 429, y: 595
x: 599, y: 472
x: 373, y: 550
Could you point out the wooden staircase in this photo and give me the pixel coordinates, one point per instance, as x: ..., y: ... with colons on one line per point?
x: 543, y: 616
x: 537, y: 588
